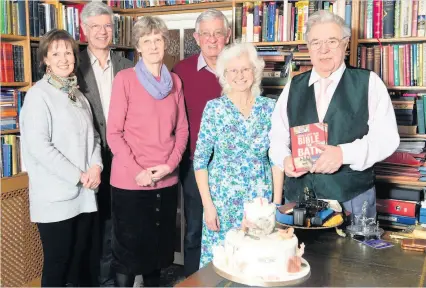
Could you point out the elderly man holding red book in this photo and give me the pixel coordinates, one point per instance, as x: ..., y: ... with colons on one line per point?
x: 355, y: 105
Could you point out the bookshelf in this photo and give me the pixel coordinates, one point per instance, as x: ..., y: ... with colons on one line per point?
x: 186, y: 8
x: 14, y: 84
x: 10, y: 131
x: 397, y: 39
x: 407, y: 88
x: 392, y: 40
x: 281, y: 43
x: 9, y: 37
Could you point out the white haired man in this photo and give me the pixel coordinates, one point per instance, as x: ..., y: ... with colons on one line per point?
x: 356, y: 105
x: 200, y: 85
x: 99, y: 65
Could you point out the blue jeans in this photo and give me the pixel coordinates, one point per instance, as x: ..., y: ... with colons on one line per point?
x: 355, y: 204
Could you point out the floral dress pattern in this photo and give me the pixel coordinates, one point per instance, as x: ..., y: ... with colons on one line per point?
x: 240, y: 169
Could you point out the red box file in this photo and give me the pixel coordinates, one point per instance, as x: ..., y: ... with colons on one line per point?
x: 397, y: 207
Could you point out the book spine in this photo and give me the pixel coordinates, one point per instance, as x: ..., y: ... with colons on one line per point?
x: 388, y: 19
x: 377, y: 18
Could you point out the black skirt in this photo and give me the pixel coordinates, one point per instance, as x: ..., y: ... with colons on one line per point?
x: 144, y: 229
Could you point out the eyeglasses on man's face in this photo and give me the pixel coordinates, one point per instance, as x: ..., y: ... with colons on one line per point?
x: 235, y: 72
x: 332, y: 43
x: 97, y: 27
x: 218, y: 34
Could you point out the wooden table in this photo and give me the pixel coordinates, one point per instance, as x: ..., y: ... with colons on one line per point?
x: 337, y: 261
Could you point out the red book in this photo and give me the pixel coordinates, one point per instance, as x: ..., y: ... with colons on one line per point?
x: 2, y: 63
x: 378, y: 18
x: 396, y: 207
x: 403, y: 159
x: 302, y: 149
x: 7, y: 61
x: 407, y: 65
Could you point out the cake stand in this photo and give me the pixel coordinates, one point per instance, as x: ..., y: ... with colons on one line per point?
x: 290, y: 279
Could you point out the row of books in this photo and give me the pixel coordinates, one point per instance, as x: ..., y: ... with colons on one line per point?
x: 392, y: 18
x: 10, y: 158
x: 12, y: 18
x: 132, y: 4
x: 410, y: 112
x: 10, y: 102
x: 397, y: 65
x: 407, y: 163
x: 12, y: 63
x: 274, y: 21
x: 398, y: 205
x: 44, y: 17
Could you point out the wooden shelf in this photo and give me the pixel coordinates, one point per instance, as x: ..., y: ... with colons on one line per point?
x: 170, y: 8
x: 392, y: 40
x: 37, y: 39
x: 395, y: 180
x: 273, y: 87
x: 412, y: 88
x: 14, y: 84
x: 18, y: 181
x: 9, y: 131
x: 423, y: 136
x: 122, y: 47
x: 285, y: 43
x: 74, y: 1
x: 12, y: 37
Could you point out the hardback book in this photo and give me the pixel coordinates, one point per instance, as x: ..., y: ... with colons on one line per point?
x: 303, y: 150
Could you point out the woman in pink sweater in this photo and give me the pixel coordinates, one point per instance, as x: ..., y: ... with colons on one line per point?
x: 147, y: 131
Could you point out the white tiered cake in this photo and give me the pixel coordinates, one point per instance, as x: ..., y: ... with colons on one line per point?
x: 258, y: 251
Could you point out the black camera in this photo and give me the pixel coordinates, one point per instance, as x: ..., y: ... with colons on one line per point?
x: 307, y: 208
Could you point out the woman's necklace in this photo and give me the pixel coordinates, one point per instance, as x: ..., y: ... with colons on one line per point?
x: 247, y: 105
x: 243, y: 108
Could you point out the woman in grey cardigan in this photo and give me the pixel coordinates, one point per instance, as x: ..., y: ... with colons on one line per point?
x: 61, y: 151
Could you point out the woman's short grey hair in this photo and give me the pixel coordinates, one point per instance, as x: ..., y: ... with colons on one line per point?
x: 211, y: 14
x: 324, y: 16
x: 95, y: 9
x: 236, y: 50
x: 147, y: 25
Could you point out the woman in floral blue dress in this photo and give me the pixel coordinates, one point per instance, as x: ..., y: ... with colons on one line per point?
x: 235, y: 127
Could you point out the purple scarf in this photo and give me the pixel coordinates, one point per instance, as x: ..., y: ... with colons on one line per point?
x: 157, y: 89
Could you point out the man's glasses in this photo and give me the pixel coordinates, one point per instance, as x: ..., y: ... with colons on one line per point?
x: 331, y: 43
x: 97, y: 27
x: 216, y: 34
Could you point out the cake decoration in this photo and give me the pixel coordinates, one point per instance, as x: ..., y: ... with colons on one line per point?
x: 257, y: 251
